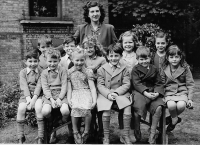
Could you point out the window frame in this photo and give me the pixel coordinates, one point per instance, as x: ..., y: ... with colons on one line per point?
x: 59, y: 13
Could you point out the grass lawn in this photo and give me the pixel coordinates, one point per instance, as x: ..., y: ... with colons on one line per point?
x: 187, y: 132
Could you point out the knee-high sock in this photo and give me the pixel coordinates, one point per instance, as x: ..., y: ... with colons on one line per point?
x: 40, y: 123
x: 156, y: 119
x: 106, y: 126
x: 20, y: 128
x: 126, y: 123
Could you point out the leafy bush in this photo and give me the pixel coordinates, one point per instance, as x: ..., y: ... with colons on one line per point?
x: 9, y: 97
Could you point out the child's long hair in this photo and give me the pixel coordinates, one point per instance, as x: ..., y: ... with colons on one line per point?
x: 134, y: 38
x: 174, y: 50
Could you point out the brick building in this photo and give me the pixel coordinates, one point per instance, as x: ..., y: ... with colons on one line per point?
x: 20, y: 26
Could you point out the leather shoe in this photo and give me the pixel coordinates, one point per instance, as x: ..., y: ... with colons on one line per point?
x: 22, y: 140
x: 171, y: 126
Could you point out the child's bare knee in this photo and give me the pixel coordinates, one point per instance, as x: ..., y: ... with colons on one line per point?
x: 46, y: 110
x: 158, y: 110
x: 64, y: 109
x: 127, y: 110
x: 171, y: 104
x: 106, y: 113
x: 22, y: 108
x: 181, y: 105
x: 38, y: 106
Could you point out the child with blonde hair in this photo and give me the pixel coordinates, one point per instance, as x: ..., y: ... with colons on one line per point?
x: 81, y: 94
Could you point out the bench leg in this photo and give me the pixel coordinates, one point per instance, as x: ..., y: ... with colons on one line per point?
x: 162, y: 126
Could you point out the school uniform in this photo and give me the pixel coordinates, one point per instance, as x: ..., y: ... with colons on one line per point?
x: 30, y: 83
x: 179, y: 86
x: 54, y: 85
x: 146, y: 79
x: 110, y: 81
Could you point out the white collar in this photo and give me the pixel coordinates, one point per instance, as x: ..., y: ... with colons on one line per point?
x: 28, y: 70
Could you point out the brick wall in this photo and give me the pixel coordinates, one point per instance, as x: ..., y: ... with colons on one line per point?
x: 15, y: 38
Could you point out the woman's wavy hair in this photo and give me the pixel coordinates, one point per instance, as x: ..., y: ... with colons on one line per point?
x: 93, y: 4
x: 174, y: 50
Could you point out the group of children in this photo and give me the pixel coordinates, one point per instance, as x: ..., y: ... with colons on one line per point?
x: 128, y: 79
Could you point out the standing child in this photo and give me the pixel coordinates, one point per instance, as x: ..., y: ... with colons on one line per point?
x: 161, y: 45
x: 81, y: 94
x: 148, y: 92
x: 68, y: 46
x: 44, y: 43
x: 94, y: 60
x: 128, y: 41
x: 30, y: 86
x: 179, y: 85
x: 113, y: 84
x: 54, y: 85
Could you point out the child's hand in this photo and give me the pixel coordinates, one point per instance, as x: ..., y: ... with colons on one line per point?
x: 111, y: 97
x: 148, y: 95
x: 115, y: 95
x: 33, y: 100
x: 190, y: 104
x: 53, y: 103
x: 58, y: 102
x: 28, y: 101
x: 93, y: 105
x: 70, y: 103
x: 155, y: 95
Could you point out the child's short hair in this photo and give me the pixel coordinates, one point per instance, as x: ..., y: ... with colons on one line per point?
x: 78, y: 50
x: 44, y: 40
x: 161, y: 34
x: 115, y: 47
x: 143, y: 52
x: 134, y: 38
x: 69, y: 39
x: 32, y: 54
x: 52, y: 53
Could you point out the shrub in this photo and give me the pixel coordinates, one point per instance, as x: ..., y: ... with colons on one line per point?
x: 9, y: 97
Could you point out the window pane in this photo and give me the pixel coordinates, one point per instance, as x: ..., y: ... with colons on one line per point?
x: 43, y: 8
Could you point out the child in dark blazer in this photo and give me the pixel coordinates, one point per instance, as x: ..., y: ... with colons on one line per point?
x: 179, y: 85
x: 148, y: 92
x: 30, y: 86
x: 113, y: 84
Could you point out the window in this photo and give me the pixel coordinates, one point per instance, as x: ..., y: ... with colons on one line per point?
x: 45, y: 9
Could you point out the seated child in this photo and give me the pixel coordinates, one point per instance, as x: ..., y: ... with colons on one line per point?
x: 68, y: 46
x: 81, y: 94
x: 113, y: 84
x: 128, y: 41
x: 44, y: 43
x: 30, y: 86
x: 161, y: 45
x: 148, y: 92
x: 179, y: 85
x: 54, y: 85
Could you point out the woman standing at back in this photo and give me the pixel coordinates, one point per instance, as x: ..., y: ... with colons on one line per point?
x: 94, y: 15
